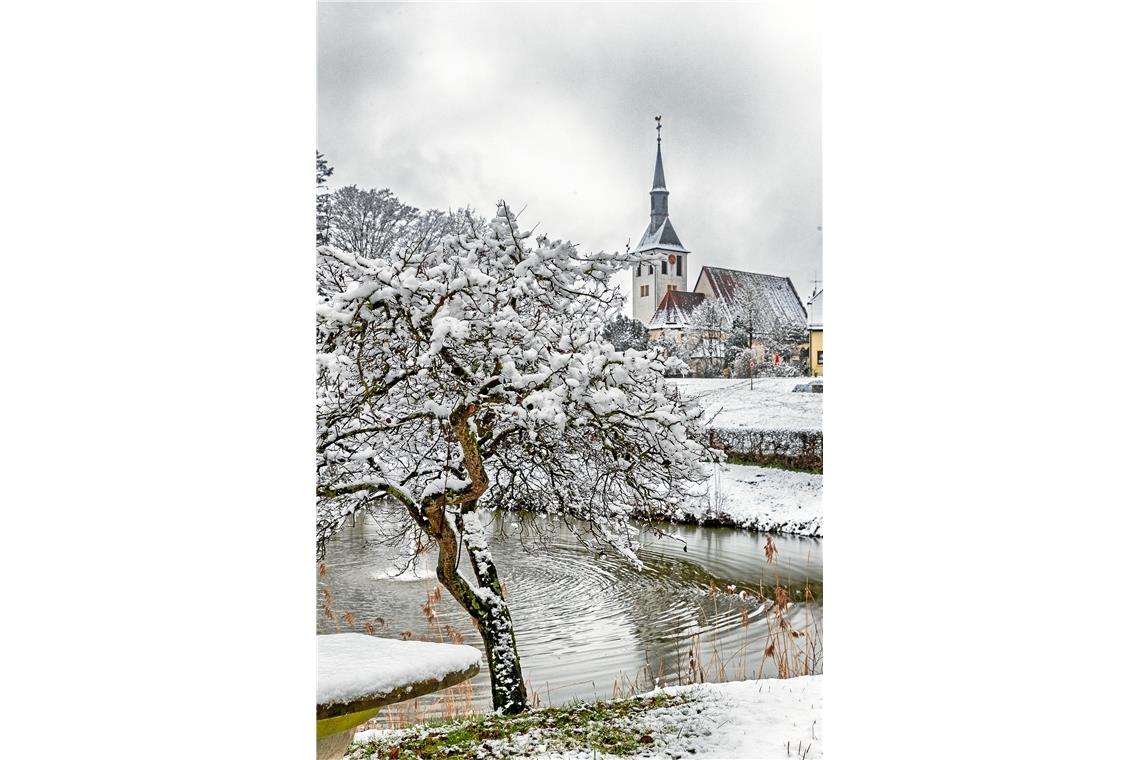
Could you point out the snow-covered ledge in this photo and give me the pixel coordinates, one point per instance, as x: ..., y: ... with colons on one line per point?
x: 359, y: 674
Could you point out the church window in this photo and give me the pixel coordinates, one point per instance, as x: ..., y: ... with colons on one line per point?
x: 644, y: 291
x: 664, y: 267
x: 639, y: 270
x: 650, y: 269
x: 678, y: 266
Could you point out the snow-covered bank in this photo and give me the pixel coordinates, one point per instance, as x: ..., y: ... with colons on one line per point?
x: 767, y: 720
x: 767, y: 499
x: 771, y: 404
x: 764, y: 719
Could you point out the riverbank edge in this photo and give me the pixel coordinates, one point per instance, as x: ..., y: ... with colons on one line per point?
x: 810, y: 528
x: 755, y: 498
x: 774, y: 716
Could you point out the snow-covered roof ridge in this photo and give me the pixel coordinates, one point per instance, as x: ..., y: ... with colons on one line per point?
x: 675, y: 308
x: 779, y: 291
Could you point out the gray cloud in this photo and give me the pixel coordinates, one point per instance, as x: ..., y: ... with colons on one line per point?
x: 551, y: 107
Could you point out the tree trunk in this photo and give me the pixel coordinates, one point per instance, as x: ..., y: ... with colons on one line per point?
x: 485, y: 604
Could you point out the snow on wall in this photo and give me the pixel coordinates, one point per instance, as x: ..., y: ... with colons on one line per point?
x: 352, y: 666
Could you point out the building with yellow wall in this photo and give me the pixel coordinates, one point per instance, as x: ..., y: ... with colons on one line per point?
x: 815, y: 333
x: 815, y: 350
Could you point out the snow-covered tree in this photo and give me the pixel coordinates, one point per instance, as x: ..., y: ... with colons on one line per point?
x: 745, y: 362
x: 473, y: 375
x: 678, y: 350
x: 625, y: 332
x: 709, y: 323
x: 756, y: 325
x: 324, y: 202
x: 786, y: 341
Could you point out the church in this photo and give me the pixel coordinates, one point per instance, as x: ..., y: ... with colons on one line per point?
x: 664, y: 304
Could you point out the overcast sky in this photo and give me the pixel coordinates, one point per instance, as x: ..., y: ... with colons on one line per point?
x: 551, y: 107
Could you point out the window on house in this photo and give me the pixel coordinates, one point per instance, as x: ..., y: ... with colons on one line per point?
x: 819, y: 356
x: 639, y: 270
x: 644, y: 291
x: 650, y: 269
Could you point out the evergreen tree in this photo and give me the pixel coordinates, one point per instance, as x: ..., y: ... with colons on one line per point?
x: 626, y: 333
x: 324, y: 203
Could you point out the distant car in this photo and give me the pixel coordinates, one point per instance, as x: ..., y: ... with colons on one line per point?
x: 815, y: 386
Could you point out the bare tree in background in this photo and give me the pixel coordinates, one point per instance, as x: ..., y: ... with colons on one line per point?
x: 368, y: 223
x: 709, y: 322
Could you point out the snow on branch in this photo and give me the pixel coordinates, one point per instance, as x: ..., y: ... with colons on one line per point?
x: 476, y: 374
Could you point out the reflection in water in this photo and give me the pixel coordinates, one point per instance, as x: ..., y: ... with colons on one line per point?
x: 586, y: 620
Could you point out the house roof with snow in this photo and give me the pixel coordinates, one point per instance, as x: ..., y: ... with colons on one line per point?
x: 779, y: 292
x: 815, y: 309
x: 675, y: 310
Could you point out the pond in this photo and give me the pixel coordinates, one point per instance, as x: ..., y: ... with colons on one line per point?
x: 592, y: 625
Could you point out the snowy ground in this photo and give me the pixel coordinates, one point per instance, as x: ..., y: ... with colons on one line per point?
x: 762, y: 498
x: 765, y: 720
x: 740, y: 719
x: 770, y: 405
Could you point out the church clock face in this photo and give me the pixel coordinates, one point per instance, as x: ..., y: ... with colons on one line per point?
x: 672, y: 259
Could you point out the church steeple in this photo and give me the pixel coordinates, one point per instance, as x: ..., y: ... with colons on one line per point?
x: 668, y: 269
x: 660, y: 232
x: 658, y: 195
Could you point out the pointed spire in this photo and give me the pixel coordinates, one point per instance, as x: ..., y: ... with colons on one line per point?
x: 659, y: 170
x: 660, y: 232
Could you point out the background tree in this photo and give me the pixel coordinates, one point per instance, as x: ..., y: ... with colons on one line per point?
x: 709, y: 324
x: 678, y: 350
x: 324, y: 203
x: 625, y: 332
x: 474, y: 375
x: 368, y: 223
x: 751, y: 315
x: 787, y: 341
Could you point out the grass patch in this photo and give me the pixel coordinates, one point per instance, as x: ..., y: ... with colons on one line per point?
x: 609, y: 727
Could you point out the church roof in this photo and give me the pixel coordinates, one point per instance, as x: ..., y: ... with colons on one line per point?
x: 779, y: 292
x: 664, y: 236
x: 675, y: 309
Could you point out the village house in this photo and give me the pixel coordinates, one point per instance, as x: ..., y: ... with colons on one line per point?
x: 668, y: 309
x: 815, y: 333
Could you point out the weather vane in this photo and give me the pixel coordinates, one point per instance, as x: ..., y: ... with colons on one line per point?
x: 658, y: 118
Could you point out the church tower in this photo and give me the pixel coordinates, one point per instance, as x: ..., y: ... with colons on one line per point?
x: 670, y: 271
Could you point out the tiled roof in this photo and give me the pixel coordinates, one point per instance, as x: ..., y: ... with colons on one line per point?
x: 778, y: 291
x: 674, y: 309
